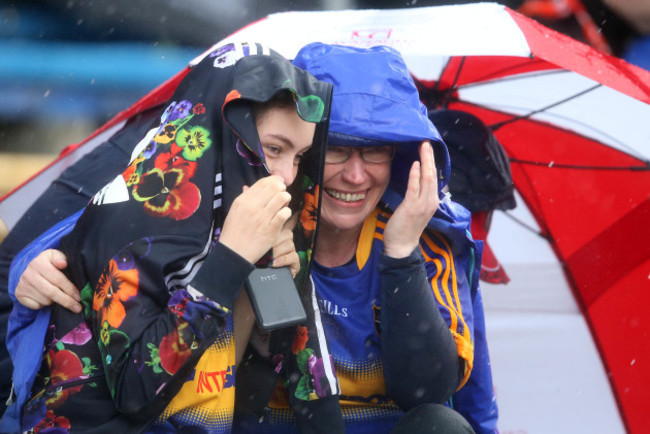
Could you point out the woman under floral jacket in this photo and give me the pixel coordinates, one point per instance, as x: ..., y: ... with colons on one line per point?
x: 163, y: 349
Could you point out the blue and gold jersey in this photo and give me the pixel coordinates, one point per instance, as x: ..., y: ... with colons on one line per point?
x: 349, y: 298
x: 207, y: 398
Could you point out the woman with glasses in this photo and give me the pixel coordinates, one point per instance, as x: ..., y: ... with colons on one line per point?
x: 392, y: 267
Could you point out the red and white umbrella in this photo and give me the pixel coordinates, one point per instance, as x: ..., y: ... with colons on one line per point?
x: 572, y: 121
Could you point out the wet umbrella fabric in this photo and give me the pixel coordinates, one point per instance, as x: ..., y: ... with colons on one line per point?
x: 571, y: 121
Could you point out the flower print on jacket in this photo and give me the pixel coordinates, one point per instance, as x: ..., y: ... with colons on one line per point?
x: 78, y: 335
x: 168, y: 193
x: 174, y: 350
x: 132, y: 173
x: 314, y: 382
x: 166, y: 134
x: 310, y: 107
x: 135, y: 250
x: 304, y: 387
x: 309, y: 212
x: 233, y: 94
x: 224, y: 55
x: 250, y: 157
x: 178, y: 111
x: 161, y: 176
x: 150, y: 149
x: 173, y: 159
x: 300, y: 340
x: 52, y: 424
x: 154, y: 359
x: 319, y: 376
x: 114, y: 287
x: 63, y: 365
x: 194, y: 141
x: 199, y: 109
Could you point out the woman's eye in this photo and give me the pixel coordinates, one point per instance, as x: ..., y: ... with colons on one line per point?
x: 272, y: 150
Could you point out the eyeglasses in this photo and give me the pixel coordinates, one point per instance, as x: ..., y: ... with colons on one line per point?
x: 369, y: 154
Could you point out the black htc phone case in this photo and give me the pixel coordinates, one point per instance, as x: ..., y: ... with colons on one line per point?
x: 274, y: 298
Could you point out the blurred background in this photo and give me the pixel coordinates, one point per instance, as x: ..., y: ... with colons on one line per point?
x: 67, y: 66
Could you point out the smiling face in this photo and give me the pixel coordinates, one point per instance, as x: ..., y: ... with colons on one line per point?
x: 351, y: 191
x: 285, y: 138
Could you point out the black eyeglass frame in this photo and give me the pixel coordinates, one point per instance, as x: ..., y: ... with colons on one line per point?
x: 349, y: 149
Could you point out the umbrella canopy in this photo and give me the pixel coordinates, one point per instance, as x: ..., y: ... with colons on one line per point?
x: 571, y: 121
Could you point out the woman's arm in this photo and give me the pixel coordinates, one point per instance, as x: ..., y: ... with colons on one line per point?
x: 421, y: 362
x: 152, y: 331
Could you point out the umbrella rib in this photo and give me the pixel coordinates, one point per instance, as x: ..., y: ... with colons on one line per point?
x: 499, y: 76
x: 527, y: 226
x: 551, y: 165
x: 498, y: 125
x: 450, y: 90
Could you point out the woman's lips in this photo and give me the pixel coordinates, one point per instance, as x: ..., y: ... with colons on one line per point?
x: 346, y: 197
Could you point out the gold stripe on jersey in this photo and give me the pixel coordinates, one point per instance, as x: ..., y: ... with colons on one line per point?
x: 462, y: 337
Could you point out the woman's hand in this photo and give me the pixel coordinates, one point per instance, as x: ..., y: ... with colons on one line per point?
x: 404, y: 228
x: 43, y: 283
x: 284, y: 250
x: 256, y: 218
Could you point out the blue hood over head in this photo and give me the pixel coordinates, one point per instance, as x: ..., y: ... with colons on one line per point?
x: 375, y: 102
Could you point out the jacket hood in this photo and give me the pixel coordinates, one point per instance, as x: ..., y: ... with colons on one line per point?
x: 375, y: 102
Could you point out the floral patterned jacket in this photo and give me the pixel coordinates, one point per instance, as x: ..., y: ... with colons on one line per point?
x: 153, y: 349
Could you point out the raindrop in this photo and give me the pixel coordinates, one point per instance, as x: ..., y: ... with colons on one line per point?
x: 419, y: 392
x: 80, y: 21
x: 92, y: 81
x: 632, y: 362
x: 395, y: 290
x: 551, y: 164
x: 47, y: 93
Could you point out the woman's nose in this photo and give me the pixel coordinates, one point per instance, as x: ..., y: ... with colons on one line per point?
x: 354, y: 168
x: 285, y: 169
